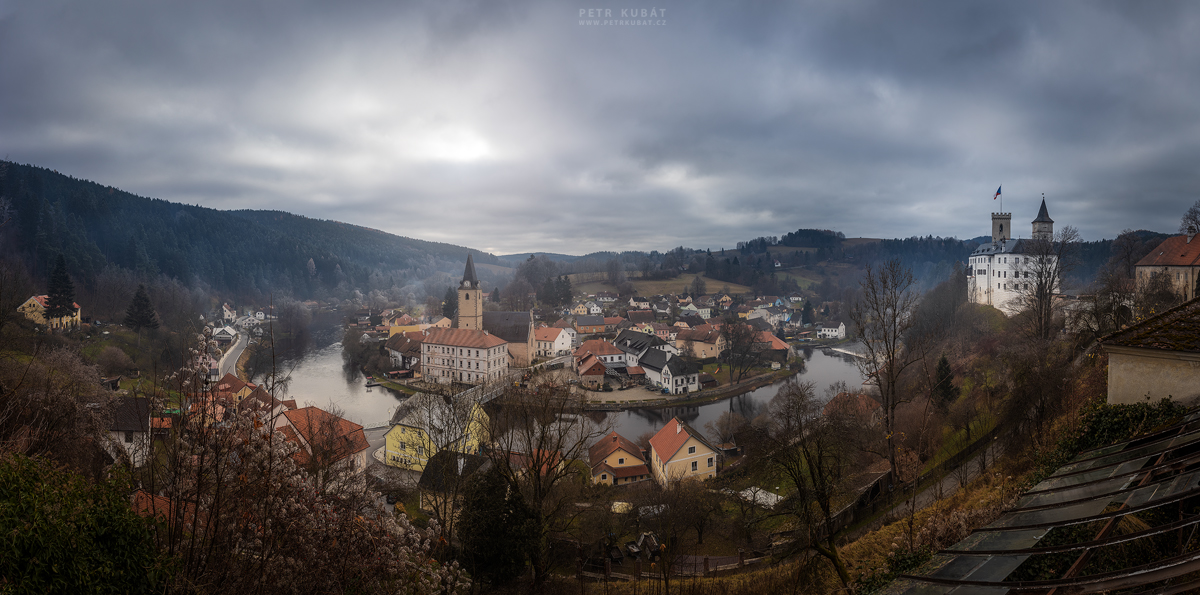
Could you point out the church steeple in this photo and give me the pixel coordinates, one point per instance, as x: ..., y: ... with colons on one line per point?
x: 470, y: 299
x: 469, y: 279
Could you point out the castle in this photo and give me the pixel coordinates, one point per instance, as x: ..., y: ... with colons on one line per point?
x: 999, y: 272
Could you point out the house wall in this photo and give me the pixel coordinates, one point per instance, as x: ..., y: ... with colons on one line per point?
x: 1148, y: 375
x: 446, y: 363
x: 680, y: 467
x: 614, y: 460
x: 1183, y: 278
x: 409, y: 447
x: 138, y: 449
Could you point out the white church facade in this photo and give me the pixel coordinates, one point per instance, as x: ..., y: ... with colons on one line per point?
x: 999, y: 272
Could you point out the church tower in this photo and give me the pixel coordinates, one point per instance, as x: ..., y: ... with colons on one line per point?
x: 1001, y: 227
x: 1043, y: 226
x: 470, y: 299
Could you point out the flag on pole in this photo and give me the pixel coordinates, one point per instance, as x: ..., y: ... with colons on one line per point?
x: 997, y: 193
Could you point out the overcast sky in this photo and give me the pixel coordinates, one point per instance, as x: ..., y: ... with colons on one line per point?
x: 512, y: 126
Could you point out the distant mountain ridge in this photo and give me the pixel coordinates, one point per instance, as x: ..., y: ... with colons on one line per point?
x: 241, y: 252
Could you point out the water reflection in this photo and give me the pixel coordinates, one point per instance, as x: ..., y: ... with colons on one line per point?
x: 822, y: 368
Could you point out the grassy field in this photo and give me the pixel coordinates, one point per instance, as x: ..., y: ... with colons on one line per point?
x: 657, y: 287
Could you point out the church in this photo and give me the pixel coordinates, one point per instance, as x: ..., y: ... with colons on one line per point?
x: 998, y: 272
x: 516, y: 328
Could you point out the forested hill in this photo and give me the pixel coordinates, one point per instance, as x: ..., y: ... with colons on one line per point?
x: 237, y: 252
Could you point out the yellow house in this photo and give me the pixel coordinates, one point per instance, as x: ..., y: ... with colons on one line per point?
x: 426, y: 424
x: 679, y: 452
x: 580, y: 310
x: 34, y: 309
x: 617, y: 461
x: 407, y: 328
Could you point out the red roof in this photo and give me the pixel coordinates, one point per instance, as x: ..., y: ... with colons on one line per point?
x: 590, y: 366
x: 463, y: 337
x: 315, y: 425
x: 635, y: 371
x: 622, y: 472
x: 613, y: 320
x: 672, y: 437
x: 767, y: 337
x: 610, y: 444
x: 597, y: 347
x: 547, y: 334
x: 1173, y: 251
x: 44, y: 301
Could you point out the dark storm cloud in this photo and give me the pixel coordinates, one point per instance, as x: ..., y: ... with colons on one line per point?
x: 508, y: 126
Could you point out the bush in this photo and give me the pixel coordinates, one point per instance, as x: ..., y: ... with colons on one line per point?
x: 62, y: 534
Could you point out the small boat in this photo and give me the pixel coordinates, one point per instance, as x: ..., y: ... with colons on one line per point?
x: 371, y: 383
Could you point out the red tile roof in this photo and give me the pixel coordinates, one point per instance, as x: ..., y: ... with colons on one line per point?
x: 775, y: 342
x: 44, y: 301
x: 315, y: 426
x: 610, y: 444
x: 672, y: 437
x: 1173, y: 251
x: 597, y: 347
x: 463, y: 337
x: 622, y: 472
x: 547, y: 334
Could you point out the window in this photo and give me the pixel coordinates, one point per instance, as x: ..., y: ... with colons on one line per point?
x: 420, y: 451
x: 691, y: 450
x: 621, y: 461
x: 710, y: 461
x: 603, y: 476
x: 695, y: 466
x: 129, y: 436
x: 401, y: 446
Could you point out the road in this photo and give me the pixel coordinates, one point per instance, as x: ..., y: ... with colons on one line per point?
x: 229, y: 360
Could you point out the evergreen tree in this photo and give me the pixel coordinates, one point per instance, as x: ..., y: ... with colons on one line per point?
x: 496, y: 294
x: 565, y: 293
x: 60, y: 300
x: 450, y: 304
x: 944, y: 392
x: 496, y: 527
x: 548, y: 294
x: 140, y: 313
x: 808, y: 316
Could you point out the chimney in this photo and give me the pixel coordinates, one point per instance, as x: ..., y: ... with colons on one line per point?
x: 1191, y: 233
x: 678, y: 427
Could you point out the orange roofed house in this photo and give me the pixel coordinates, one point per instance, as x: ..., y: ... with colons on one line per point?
x: 679, y: 452
x: 616, y: 460
x: 325, y: 439
x: 463, y: 355
x: 34, y: 309
x: 1178, y: 258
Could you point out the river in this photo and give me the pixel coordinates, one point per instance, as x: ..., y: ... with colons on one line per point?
x: 319, y: 378
x: 822, y: 368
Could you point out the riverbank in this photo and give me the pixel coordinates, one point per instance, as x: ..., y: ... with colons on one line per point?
x: 696, y: 398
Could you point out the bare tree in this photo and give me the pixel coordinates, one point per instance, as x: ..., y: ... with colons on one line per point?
x: 883, y: 314
x: 813, y: 451
x: 742, y: 351
x: 536, y: 433
x: 1191, y: 218
x: 1040, y: 273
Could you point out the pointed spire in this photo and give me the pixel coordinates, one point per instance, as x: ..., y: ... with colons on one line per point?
x: 1043, y: 216
x: 469, y: 273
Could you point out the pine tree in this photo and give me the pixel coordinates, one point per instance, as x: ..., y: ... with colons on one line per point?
x: 450, y: 304
x: 565, y: 293
x: 140, y: 313
x: 496, y: 294
x: 60, y: 297
x: 944, y: 390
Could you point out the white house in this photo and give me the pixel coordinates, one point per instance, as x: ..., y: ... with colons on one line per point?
x: 463, y: 355
x: 130, y: 428
x: 832, y: 330
x: 552, y: 342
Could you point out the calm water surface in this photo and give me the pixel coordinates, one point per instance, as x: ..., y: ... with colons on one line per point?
x: 319, y: 378
x: 822, y: 368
